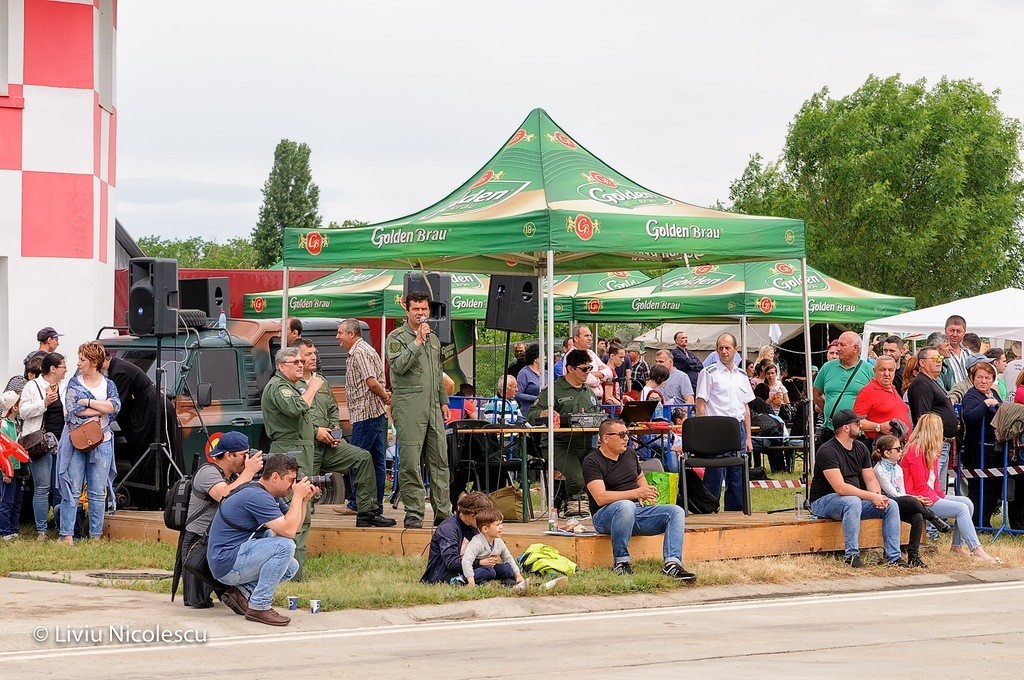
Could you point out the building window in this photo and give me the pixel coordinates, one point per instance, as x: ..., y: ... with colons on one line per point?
x: 105, y: 55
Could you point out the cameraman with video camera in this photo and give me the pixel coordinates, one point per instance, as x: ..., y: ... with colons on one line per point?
x: 240, y: 551
x: 230, y: 467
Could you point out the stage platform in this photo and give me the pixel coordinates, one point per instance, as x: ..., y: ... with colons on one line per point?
x: 726, y: 535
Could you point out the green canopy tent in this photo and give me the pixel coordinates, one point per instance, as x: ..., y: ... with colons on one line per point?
x: 769, y: 292
x: 542, y: 204
x: 366, y: 292
x: 568, y: 288
x: 363, y: 293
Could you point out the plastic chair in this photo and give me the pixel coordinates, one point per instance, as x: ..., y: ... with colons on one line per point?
x: 708, y: 436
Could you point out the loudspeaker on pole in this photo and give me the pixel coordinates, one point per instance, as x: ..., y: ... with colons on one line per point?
x: 439, y: 287
x: 512, y: 303
x: 152, y: 296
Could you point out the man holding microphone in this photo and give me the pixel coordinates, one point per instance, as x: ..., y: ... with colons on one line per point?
x: 419, y: 407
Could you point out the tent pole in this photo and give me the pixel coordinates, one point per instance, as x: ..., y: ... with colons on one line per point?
x: 808, y: 393
x: 383, y: 334
x: 551, y: 376
x: 743, y: 341
x: 284, y: 307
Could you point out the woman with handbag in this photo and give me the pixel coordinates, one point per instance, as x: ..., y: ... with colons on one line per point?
x: 42, y: 408
x: 86, y: 452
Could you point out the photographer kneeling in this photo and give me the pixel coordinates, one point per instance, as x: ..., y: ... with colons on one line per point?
x: 230, y: 467
x: 240, y: 552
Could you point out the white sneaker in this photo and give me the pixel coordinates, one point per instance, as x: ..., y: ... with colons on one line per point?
x: 559, y: 582
x: 521, y: 586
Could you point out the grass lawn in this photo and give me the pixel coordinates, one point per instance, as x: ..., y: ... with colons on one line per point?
x: 379, y: 581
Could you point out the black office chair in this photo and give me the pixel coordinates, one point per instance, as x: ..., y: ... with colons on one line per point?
x: 469, y: 451
x: 707, y: 436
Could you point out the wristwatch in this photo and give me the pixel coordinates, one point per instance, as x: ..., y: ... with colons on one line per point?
x: 878, y: 427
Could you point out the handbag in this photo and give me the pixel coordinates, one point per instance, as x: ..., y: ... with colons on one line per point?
x: 87, y: 436
x: 509, y: 500
x: 38, y: 444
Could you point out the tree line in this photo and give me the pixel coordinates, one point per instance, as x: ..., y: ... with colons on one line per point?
x: 904, y: 189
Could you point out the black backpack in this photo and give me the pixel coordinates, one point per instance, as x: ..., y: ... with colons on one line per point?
x: 176, y: 504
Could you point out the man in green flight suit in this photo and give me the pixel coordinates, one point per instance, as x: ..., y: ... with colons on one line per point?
x: 571, y: 395
x: 291, y: 408
x: 419, y: 407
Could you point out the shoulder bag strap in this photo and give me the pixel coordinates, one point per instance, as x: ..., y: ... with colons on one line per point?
x: 853, y: 374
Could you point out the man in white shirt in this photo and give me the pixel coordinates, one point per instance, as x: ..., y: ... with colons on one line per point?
x: 582, y: 339
x: 723, y: 389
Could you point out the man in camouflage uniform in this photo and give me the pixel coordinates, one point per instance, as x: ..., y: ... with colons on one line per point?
x: 292, y: 407
x: 419, y: 407
x: 571, y: 395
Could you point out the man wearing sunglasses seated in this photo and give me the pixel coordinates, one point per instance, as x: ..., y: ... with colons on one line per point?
x: 571, y: 395
x: 621, y: 502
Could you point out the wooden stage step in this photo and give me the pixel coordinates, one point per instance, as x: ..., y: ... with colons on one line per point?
x: 726, y: 535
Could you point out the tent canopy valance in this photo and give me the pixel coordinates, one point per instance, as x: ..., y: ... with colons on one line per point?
x: 770, y: 291
x: 378, y: 292
x: 543, y: 191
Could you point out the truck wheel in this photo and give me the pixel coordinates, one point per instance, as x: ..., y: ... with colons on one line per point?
x: 193, y: 318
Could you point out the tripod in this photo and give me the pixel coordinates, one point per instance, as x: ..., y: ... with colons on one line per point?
x: 160, y: 446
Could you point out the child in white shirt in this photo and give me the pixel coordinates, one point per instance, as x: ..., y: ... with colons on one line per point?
x: 488, y: 543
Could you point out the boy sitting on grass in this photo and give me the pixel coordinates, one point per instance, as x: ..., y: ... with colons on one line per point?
x: 448, y: 544
x: 486, y: 544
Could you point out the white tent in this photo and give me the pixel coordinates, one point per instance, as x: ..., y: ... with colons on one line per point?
x: 998, y: 315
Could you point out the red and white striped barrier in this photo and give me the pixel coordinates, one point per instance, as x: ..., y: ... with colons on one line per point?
x: 776, y: 484
x: 991, y: 472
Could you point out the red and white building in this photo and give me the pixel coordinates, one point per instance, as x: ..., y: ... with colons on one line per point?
x: 58, y: 130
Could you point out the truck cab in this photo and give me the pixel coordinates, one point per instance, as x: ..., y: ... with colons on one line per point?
x: 214, y: 378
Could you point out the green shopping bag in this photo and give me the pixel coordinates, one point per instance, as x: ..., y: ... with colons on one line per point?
x: 667, y: 484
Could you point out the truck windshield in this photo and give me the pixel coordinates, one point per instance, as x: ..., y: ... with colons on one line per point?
x: 145, y: 358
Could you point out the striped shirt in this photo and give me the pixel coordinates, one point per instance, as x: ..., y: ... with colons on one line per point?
x: 363, y: 363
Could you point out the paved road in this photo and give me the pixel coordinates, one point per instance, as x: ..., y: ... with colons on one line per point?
x: 967, y: 631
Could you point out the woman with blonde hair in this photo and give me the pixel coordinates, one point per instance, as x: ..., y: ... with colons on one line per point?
x: 920, y: 473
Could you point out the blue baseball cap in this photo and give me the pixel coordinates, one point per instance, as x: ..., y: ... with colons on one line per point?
x: 230, y: 441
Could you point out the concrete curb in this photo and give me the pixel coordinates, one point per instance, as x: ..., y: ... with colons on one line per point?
x: 517, y: 607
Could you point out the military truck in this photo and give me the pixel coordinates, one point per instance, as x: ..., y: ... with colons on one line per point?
x: 213, y: 378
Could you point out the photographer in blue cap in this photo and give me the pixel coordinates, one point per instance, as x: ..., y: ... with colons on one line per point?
x: 229, y: 467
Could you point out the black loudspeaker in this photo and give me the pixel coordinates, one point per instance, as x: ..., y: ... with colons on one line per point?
x: 512, y: 303
x: 211, y: 295
x: 152, y: 296
x: 439, y: 287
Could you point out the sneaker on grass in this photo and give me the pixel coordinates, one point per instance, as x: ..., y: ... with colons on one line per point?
x: 677, y: 572
x: 559, y: 582
x: 623, y: 568
x: 854, y: 561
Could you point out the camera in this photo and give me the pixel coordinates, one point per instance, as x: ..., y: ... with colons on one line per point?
x: 319, y: 481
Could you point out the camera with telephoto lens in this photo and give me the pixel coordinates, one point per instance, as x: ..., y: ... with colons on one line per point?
x: 319, y: 481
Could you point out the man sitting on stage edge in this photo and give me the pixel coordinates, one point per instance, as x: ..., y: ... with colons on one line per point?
x: 844, y: 487
x: 620, y: 500
x: 239, y: 551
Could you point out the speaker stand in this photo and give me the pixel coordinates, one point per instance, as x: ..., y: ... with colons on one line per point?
x: 160, y: 445
x: 508, y: 340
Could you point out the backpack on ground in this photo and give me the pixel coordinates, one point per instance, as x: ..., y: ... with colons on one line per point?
x: 701, y: 501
